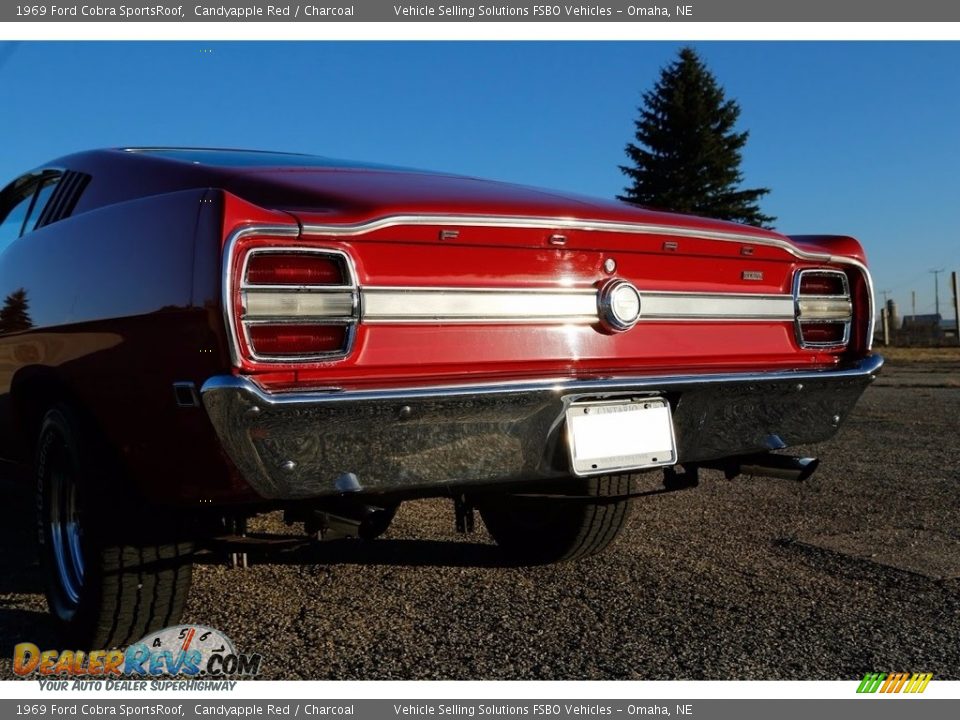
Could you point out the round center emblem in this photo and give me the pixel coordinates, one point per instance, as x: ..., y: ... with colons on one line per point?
x: 619, y: 305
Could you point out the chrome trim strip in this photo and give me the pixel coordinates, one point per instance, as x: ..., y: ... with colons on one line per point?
x: 868, y: 366
x: 716, y: 306
x: 486, y: 305
x: 346, y: 230
x: 573, y: 306
x: 868, y: 279
x: 541, y: 223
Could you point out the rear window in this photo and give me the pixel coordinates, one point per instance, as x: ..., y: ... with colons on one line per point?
x: 22, y: 203
x: 39, y: 203
x: 12, y: 224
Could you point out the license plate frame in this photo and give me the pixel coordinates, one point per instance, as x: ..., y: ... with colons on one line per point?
x: 611, y: 436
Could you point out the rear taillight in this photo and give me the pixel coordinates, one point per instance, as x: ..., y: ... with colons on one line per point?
x: 295, y: 340
x: 293, y: 305
x: 824, y: 308
x: 271, y: 268
x: 823, y: 283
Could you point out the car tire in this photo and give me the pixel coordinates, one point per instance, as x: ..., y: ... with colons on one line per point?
x: 542, y: 526
x: 113, y: 571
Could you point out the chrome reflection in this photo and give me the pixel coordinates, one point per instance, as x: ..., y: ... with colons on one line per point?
x: 488, y: 305
x: 300, y: 444
x: 63, y: 517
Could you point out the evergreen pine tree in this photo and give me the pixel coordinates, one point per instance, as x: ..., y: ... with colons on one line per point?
x: 13, y: 315
x: 687, y: 153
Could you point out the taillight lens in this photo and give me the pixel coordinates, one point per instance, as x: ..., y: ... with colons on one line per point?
x: 823, y: 333
x: 292, y: 304
x: 821, y: 283
x: 296, y: 341
x: 267, y: 268
x: 824, y: 308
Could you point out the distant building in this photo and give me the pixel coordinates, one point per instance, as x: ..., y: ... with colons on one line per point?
x: 931, y: 329
x: 933, y: 320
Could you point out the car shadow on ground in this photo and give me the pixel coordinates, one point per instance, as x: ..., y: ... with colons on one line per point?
x: 382, y: 551
x: 23, y: 616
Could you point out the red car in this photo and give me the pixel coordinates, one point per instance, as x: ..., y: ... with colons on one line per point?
x: 190, y: 337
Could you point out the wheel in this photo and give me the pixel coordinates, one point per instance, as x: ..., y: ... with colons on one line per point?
x: 112, y: 572
x: 554, y: 529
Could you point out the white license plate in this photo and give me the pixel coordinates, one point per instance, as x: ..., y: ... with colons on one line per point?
x: 617, y: 435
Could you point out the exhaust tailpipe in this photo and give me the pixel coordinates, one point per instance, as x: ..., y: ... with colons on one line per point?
x: 785, y: 467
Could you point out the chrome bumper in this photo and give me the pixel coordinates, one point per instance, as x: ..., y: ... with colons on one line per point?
x: 310, y: 444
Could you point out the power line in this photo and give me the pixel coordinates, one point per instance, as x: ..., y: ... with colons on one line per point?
x: 908, y: 281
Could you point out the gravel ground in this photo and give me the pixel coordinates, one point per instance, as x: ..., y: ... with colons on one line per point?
x: 856, y: 570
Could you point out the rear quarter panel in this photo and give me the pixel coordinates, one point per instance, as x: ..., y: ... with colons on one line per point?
x: 114, y: 320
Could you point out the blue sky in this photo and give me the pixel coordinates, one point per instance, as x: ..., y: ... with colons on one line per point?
x: 861, y: 138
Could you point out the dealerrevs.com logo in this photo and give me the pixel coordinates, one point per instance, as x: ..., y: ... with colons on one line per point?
x: 911, y: 683
x: 190, y: 651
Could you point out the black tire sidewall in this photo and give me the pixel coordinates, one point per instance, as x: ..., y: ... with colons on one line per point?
x: 137, y: 557
x: 543, y: 530
x: 60, y: 440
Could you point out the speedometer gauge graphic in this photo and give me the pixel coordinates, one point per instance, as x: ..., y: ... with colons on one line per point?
x: 185, y: 649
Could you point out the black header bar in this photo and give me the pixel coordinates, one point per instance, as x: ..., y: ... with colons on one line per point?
x: 732, y: 11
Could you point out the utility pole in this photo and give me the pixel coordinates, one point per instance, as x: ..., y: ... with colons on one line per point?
x: 936, y: 288
x: 913, y: 304
x: 956, y: 302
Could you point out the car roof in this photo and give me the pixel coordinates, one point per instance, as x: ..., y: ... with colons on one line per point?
x: 237, y: 158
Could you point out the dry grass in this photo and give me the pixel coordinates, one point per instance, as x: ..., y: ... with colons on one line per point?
x: 919, y: 354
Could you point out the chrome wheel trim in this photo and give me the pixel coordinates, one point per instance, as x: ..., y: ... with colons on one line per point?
x: 66, y: 537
